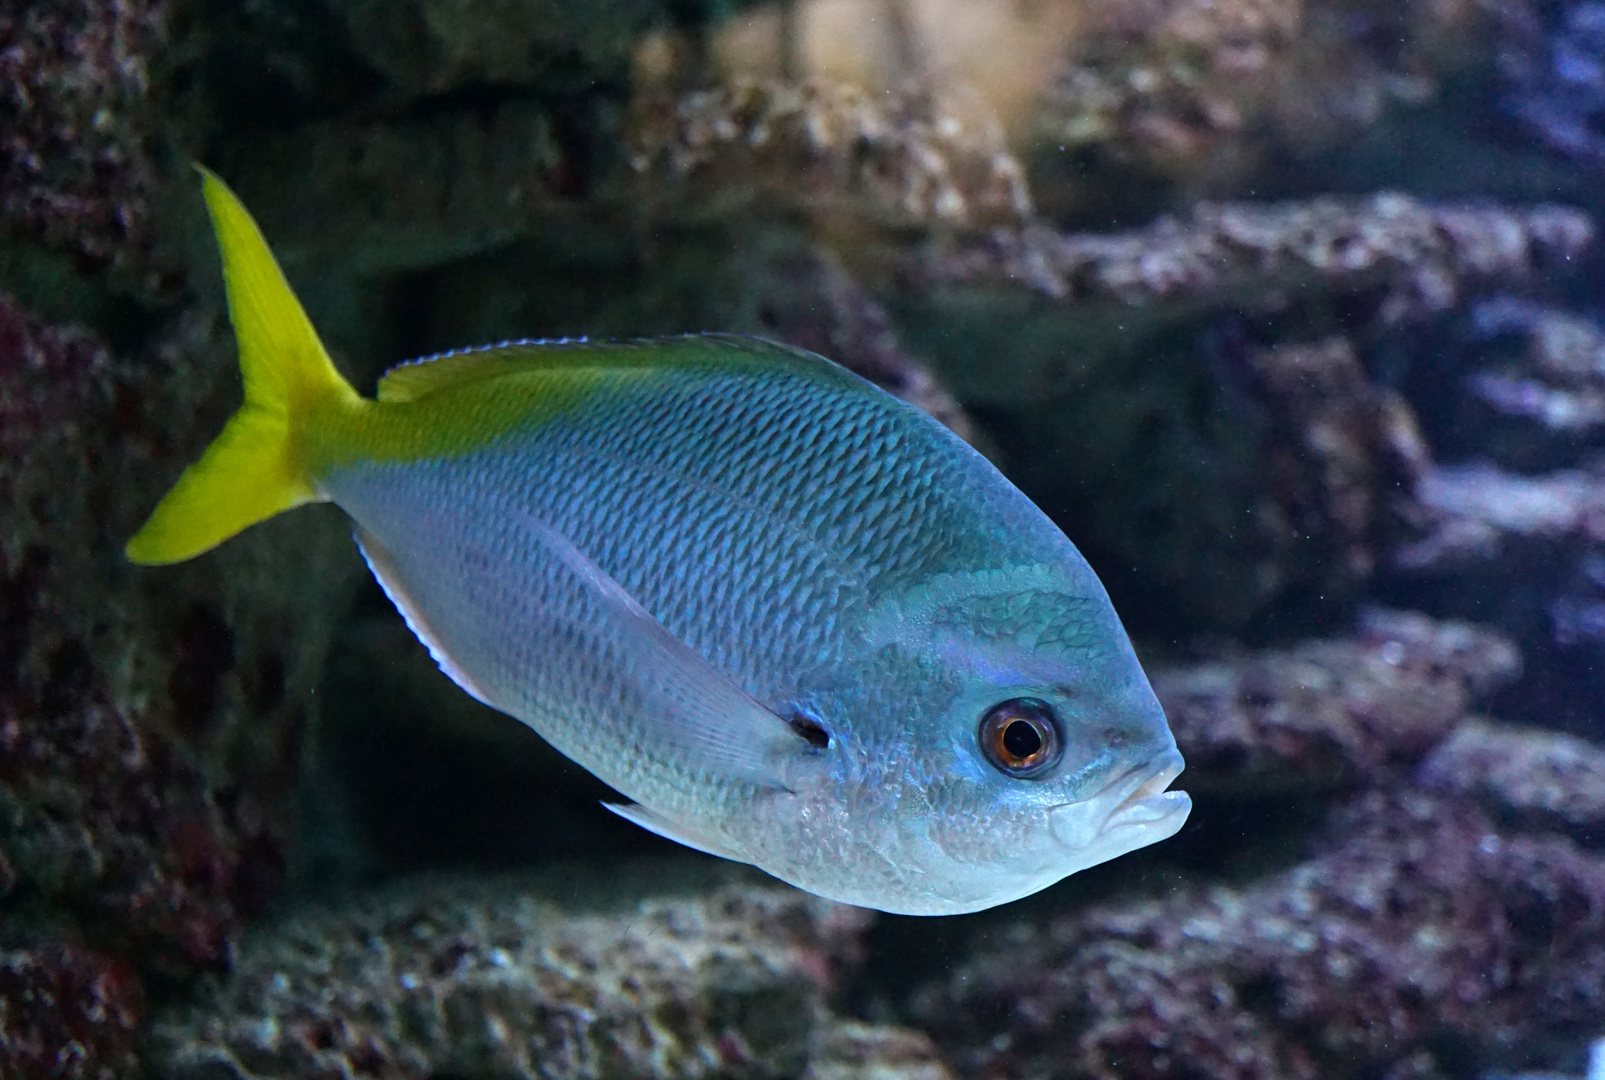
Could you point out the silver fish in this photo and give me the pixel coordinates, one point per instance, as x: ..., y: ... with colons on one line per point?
x: 797, y: 621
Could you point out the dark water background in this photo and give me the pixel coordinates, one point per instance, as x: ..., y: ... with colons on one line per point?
x: 1288, y: 311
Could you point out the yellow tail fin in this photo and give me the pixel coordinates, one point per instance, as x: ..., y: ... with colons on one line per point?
x: 256, y: 467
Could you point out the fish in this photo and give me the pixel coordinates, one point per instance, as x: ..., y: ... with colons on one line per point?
x: 794, y: 621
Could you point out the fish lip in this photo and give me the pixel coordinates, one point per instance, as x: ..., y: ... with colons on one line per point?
x: 1147, y: 800
x: 1137, y: 800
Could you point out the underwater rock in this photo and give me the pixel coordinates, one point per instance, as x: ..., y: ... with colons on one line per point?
x: 1207, y: 94
x: 1528, y: 553
x: 491, y: 981
x: 68, y: 1013
x: 1419, y: 252
x: 1478, y: 510
x: 900, y: 158
x: 76, y: 139
x: 149, y: 723
x: 1328, y: 715
x: 428, y: 48
x: 848, y: 1050
x: 1419, y: 926
x: 1345, y: 454
x: 1557, y: 379
x: 1525, y: 776
x: 1549, y: 57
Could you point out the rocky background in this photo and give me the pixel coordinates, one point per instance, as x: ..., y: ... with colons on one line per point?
x: 1286, y: 310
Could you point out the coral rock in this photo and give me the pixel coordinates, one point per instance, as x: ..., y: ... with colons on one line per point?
x: 75, y: 137
x: 1343, y: 444
x: 1328, y: 714
x: 1529, y: 777
x: 67, y: 1013
x: 488, y: 981
x: 847, y: 1050
x: 1419, y: 251
x: 907, y: 158
x: 148, y: 719
x: 1420, y: 927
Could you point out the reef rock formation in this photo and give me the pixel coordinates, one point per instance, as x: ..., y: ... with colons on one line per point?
x: 76, y: 175
x: 477, y: 982
x: 904, y: 157
x: 1418, y: 925
x: 1527, y: 777
x: 1420, y: 252
x: 1329, y: 716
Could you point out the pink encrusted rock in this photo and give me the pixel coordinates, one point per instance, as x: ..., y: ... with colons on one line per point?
x: 70, y: 1013
x: 1329, y: 715
x: 76, y: 135
x: 149, y: 721
x: 1542, y: 779
x: 1417, y: 925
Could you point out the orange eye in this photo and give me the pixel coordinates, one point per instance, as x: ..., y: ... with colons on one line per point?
x: 1020, y: 737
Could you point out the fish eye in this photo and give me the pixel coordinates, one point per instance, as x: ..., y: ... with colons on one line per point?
x: 1020, y: 737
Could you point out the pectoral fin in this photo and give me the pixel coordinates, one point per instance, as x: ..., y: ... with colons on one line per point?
x: 691, y: 706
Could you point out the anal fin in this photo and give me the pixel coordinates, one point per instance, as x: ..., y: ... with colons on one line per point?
x: 383, y: 565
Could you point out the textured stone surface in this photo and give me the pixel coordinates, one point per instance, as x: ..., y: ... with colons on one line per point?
x: 846, y: 1050
x: 1343, y: 461
x: 1528, y: 776
x: 68, y: 1013
x: 1204, y: 95
x: 479, y: 982
x: 1418, y: 926
x: 148, y: 720
x: 1556, y: 377
x: 1420, y: 252
x: 1329, y: 715
x: 149, y: 724
x: 76, y: 137
x: 901, y: 158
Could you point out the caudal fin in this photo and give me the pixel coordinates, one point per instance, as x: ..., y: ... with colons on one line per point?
x: 256, y: 467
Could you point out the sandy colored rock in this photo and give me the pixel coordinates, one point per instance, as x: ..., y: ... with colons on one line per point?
x: 491, y: 981
x: 905, y: 157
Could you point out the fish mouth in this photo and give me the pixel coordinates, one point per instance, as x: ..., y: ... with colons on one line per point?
x: 1133, y: 810
x: 1147, y: 802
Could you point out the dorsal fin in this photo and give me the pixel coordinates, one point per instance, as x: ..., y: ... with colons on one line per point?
x: 420, y: 378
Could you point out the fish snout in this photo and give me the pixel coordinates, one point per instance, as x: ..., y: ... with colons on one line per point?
x: 1131, y: 811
